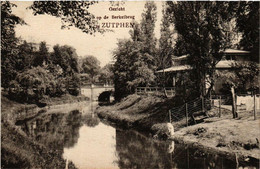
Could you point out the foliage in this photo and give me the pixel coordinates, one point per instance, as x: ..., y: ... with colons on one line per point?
x: 31, y: 73
x: 122, y: 71
x: 106, y: 75
x: 130, y: 69
x: 205, y: 30
x: 91, y: 66
x: 66, y: 57
x: 25, y: 57
x: 73, y: 84
x: 147, y: 26
x: 40, y: 73
x: 8, y: 42
x: 243, y: 78
x: 248, y: 75
x: 164, y: 59
x: 30, y: 85
x: 42, y: 56
x: 72, y: 13
x: 165, y: 50
x: 8, y: 23
x: 135, y: 57
x: 247, y: 16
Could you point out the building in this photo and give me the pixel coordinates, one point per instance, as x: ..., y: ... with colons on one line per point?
x: 176, y: 73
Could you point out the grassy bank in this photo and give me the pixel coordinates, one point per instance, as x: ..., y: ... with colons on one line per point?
x: 19, y: 150
x: 139, y: 112
x: 239, y: 137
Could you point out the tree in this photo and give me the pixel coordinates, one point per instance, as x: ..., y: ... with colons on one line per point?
x: 91, y: 66
x: 106, y: 75
x: 42, y: 56
x: 25, y: 58
x: 9, y: 42
x: 205, y: 29
x: 136, y: 57
x: 165, y: 51
x: 8, y: 23
x: 247, y: 22
x: 72, y: 13
x: 122, y: 68
x: 32, y: 84
x: 247, y: 73
x: 148, y: 38
x: 166, y: 42
x: 66, y: 57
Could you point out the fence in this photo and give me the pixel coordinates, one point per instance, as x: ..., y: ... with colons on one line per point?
x: 197, y: 107
x: 244, y: 102
x: 170, y: 91
x: 200, y: 106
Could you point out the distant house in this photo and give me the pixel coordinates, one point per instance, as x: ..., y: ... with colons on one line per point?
x: 180, y: 66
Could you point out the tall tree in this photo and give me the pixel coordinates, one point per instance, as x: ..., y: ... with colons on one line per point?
x: 204, y: 28
x: 165, y: 51
x: 147, y: 28
x: 166, y: 42
x: 135, y: 58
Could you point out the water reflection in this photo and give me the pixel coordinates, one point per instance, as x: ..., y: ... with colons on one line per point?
x: 55, y: 130
x: 80, y: 137
x: 137, y: 151
x: 95, y: 148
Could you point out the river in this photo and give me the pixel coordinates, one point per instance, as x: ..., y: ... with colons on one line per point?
x: 88, y: 142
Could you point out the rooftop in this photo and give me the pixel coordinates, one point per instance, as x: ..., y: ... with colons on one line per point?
x: 227, y: 51
x: 176, y: 68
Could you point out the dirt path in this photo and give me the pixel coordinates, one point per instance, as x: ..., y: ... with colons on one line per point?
x: 238, y: 136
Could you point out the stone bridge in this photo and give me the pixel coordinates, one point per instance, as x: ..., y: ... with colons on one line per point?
x: 94, y: 91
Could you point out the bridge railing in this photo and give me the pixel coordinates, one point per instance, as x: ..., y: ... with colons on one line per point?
x: 97, y: 86
x: 170, y: 91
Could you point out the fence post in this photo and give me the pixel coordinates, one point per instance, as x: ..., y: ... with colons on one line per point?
x: 219, y: 106
x: 170, y: 118
x: 254, y: 106
x: 186, y: 112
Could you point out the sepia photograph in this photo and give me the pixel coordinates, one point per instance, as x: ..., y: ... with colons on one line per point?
x: 124, y: 84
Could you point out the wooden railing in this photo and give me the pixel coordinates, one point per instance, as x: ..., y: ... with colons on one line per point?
x: 170, y: 91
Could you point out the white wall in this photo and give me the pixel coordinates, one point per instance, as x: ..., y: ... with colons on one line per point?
x: 248, y: 101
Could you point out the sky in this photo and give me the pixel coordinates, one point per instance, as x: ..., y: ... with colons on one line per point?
x: 48, y: 28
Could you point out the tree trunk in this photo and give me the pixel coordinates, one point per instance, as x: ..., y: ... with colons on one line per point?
x: 234, y: 107
x: 164, y: 90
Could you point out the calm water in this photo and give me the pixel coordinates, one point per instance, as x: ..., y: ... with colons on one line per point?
x: 83, y: 139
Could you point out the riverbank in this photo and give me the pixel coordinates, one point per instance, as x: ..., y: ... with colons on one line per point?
x: 237, y: 137
x: 17, y: 149
x: 11, y: 109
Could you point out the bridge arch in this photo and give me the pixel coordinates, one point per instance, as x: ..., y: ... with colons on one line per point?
x: 93, y: 91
